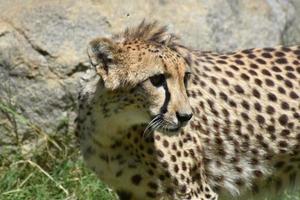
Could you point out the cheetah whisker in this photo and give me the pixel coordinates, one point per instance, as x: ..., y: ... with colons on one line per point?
x: 150, y: 125
x: 156, y: 125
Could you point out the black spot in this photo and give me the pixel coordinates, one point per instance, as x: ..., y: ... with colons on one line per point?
x: 290, y: 75
x: 258, y: 173
x: 232, y: 103
x: 165, y: 164
x: 119, y: 173
x: 276, y: 69
x: 279, y: 164
x: 260, y: 119
x: 266, y: 55
x: 245, y: 116
x: 229, y: 73
x: 165, y: 143
x: 224, y: 81
x: 160, y: 153
x: 271, y: 129
x: 289, y: 68
x: 223, y: 96
x: 261, y: 61
x: 279, y: 54
x: 221, y: 62
x: 124, y: 195
x: 245, y: 105
x: 252, y: 72
x: 136, y: 179
x: 293, y: 95
x: 245, y: 76
x: 283, y: 144
x: 239, y: 89
x: 247, y: 51
x: 281, y: 61
x: 151, y: 194
x: 285, y: 49
x: 270, y: 110
x: 266, y: 72
x: 239, y: 182
x: 288, y: 83
x: 272, y: 97
x: 239, y: 62
x: 235, y: 68
x: 269, y: 82
x: 169, y: 191
x: 285, y: 105
x: 258, y: 82
x: 238, y: 56
x: 257, y: 106
x: 281, y: 90
x: 211, y: 91
x: 285, y: 132
x: 253, y: 66
x: 283, y: 119
x: 256, y: 93
x: 183, y: 189
x: 152, y: 185
x: 297, y: 52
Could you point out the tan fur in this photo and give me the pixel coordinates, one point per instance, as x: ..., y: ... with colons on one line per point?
x: 244, y: 137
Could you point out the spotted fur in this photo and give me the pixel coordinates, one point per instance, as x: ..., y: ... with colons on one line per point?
x: 244, y: 137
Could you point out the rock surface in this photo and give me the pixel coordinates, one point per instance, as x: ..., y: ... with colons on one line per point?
x: 43, y: 45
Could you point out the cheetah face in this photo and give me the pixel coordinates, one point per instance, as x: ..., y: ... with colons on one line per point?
x: 154, y: 76
x: 169, y: 107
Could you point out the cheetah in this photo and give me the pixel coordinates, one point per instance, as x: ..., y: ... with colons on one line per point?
x: 158, y: 120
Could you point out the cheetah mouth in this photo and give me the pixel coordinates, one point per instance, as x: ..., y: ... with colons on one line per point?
x: 172, y: 129
x: 159, y: 123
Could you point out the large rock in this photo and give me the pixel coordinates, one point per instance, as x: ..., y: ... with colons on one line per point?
x: 43, y: 44
x: 291, y: 35
x: 42, y: 53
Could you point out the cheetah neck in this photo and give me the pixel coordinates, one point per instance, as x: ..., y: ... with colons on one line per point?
x: 104, y: 114
x: 111, y: 129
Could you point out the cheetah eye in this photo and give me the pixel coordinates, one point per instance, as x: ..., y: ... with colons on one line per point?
x: 187, y: 77
x: 158, y: 80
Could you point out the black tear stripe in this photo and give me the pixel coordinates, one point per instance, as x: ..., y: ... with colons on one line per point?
x: 164, y: 108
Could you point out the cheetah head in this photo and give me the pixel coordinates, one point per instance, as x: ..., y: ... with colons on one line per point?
x: 143, y: 66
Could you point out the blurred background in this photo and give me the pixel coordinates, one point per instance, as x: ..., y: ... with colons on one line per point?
x: 43, y: 54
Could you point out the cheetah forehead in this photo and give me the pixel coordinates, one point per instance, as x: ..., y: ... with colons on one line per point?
x: 149, y: 49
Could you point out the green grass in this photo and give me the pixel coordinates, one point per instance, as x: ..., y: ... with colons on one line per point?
x: 51, y: 170
x: 72, y: 181
x: 44, y: 177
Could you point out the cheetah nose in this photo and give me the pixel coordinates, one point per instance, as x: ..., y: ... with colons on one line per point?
x: 183, y: 117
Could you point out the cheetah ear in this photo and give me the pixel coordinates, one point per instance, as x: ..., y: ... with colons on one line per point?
x: 103, y: 54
